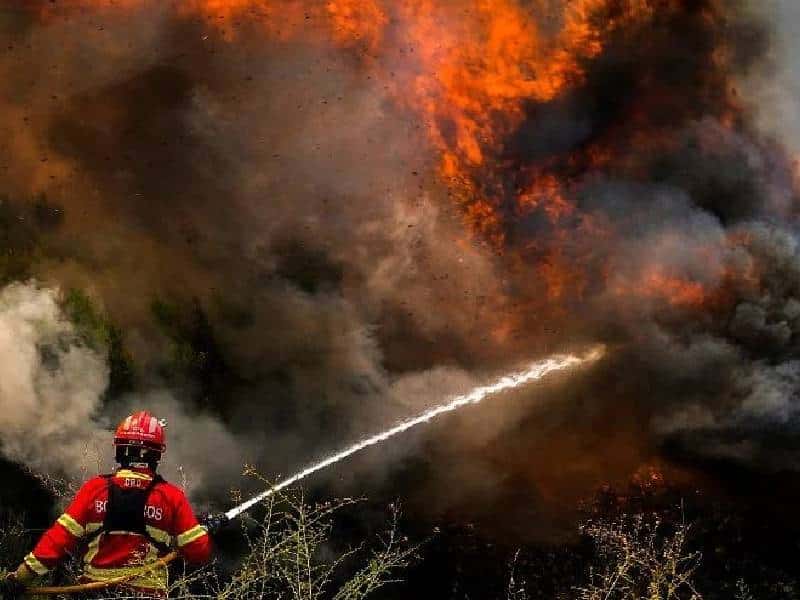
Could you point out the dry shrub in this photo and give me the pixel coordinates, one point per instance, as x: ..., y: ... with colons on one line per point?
x: 290, y: 554
x: 640, y: 558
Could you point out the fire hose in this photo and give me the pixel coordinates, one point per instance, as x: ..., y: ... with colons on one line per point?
x: 93, y: 586
x: 214, y: 522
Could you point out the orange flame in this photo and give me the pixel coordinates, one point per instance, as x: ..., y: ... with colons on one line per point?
x: 546, y: 193
x: 675, y: 290
x: 467, y: 67
x: 469, y: 70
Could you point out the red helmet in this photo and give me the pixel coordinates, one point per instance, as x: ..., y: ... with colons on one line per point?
x: 141, y: 429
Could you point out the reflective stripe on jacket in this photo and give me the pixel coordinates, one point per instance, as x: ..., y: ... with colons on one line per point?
x: 169, y: 520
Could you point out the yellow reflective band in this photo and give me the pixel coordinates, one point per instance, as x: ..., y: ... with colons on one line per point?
x: 92, y: 527
x: 195, y: 533
x: 159, y: 535
x: 35, y: 565
x: 128, y: 474
x: 92, y: 550
x: 71, y: 525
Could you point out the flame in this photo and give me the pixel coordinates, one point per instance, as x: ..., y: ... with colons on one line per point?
x: 471, y: 65
x: 469, y: 71
x: 546, y: 193
x: 682, y: 292
x: 676, y: 290
x: 468, y: 68
x: 476, y: 75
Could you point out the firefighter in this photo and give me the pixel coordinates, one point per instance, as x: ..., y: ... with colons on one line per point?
x: 121, y: 522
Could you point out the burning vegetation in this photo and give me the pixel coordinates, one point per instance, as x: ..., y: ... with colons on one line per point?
x: 347, y: 210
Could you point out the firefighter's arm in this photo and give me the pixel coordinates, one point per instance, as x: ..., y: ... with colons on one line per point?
x: 192, y: 538
x: 64, y: 535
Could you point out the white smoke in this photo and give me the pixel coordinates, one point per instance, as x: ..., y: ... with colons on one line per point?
x: 50, y: 383
x: 53, y: 420
x: 51, y: 387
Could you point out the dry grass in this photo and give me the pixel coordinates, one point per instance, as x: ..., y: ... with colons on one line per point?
x: 290, y: 554
x: 640, y: 559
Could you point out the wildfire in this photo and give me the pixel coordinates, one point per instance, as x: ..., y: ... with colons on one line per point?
x: 724, y: 284
x: 468, y: 67
x: 474, y: 76
x: 675, y: 290
x: 546, y: 193
x: 470, y: 71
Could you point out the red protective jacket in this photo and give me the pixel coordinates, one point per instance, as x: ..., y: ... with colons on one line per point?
x: 169, y: 520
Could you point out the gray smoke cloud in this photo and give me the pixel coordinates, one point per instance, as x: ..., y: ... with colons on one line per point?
x: 299, y: 213
x: 774, y: 90
x: 50, y: 385
x: 51, y: 395
x: 278, y: 190
x: 55, y: 421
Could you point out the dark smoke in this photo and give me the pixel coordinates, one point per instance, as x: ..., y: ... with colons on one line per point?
x: 255, y: 218
x: 265, y: 225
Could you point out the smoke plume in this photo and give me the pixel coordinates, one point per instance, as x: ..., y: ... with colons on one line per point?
x: 50, y: 386
x: 306, y: 220
x: 52, y: 398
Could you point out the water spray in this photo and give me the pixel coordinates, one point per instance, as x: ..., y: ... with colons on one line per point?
x: 533, y: 373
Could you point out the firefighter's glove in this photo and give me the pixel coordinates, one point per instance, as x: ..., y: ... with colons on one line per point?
x: 15, y: 584
x: 215, y: 523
